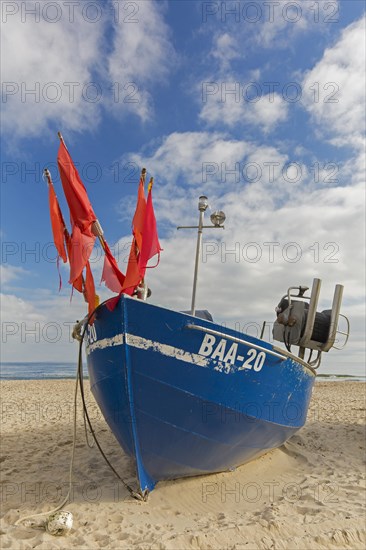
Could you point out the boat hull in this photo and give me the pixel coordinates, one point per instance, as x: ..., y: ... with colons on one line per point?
x: 185, y: 397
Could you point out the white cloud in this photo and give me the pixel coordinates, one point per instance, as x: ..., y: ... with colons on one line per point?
x: 283, y: 22
x: 9, y: 273
x: 269, y: 111
x: 334, y: 89
x: 45, y: 57
x: 141, y: 48
x: 39, y: 327
x: 226, y: 100
x: 225, y: 49
x: 250, y: 26
x: 142, y: 55
x: 60, y: 75
x: 265, y: 112
x: 184, y: 154
x: 15, y: 309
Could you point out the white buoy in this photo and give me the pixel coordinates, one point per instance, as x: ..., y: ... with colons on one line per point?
x: 59, y: 523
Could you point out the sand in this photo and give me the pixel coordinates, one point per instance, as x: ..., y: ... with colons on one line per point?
x: 308, y: 494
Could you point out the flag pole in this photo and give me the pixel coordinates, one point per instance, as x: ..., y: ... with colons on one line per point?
x: 142, y: 290
x: 61, y: 139
x: 143, y: 175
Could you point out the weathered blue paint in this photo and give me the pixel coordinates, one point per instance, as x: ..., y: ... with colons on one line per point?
x: 177, y: 417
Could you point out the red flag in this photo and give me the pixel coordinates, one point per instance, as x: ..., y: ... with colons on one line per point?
x: 150, y: 240
x: 78, y: 283
x: 81, y: 248
x: 112, y: 276
x: 133, y: 275
x: 57, y: 222
x: 89, y: 291
x: 138, y: 219
x: 81, y: 211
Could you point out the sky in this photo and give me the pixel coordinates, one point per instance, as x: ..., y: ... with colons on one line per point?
x: 258, y: 105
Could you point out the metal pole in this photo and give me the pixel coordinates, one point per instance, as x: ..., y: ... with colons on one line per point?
x: 198, y: 249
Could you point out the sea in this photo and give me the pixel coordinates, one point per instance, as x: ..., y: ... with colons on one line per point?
x: 39, y: 371
x: 55, y: 371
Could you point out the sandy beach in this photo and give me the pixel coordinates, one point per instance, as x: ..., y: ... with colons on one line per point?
x: 308, y: 494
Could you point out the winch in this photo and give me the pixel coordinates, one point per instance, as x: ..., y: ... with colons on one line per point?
x: 299, y: 323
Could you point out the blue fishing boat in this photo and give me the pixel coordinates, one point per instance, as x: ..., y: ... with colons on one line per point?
x: 185, y: 396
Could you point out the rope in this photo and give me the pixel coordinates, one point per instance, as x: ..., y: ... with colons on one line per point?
x: 80, y: 380
x: 133, y: 493
x: 88, y: 442
x: 20, y: 520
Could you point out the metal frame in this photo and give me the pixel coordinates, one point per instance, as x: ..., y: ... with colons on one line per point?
x: 336, y: 306
x: 344, y: 333
x: 306, y: 341
x: 313, y: 304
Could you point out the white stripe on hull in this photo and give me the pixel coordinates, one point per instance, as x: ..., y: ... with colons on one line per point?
x: 168, y: 351
x: 143, y: 343
x: 116, y: 340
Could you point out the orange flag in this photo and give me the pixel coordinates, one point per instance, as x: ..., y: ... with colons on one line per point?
x: 57, y: 222
x: 139, y: 217
x: 59, y: 231
x: 133, y: 275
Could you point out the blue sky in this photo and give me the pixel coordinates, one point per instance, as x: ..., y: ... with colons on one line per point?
x: 259, y: 105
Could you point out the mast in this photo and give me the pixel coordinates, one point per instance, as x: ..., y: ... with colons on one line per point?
x: 217, y: 218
